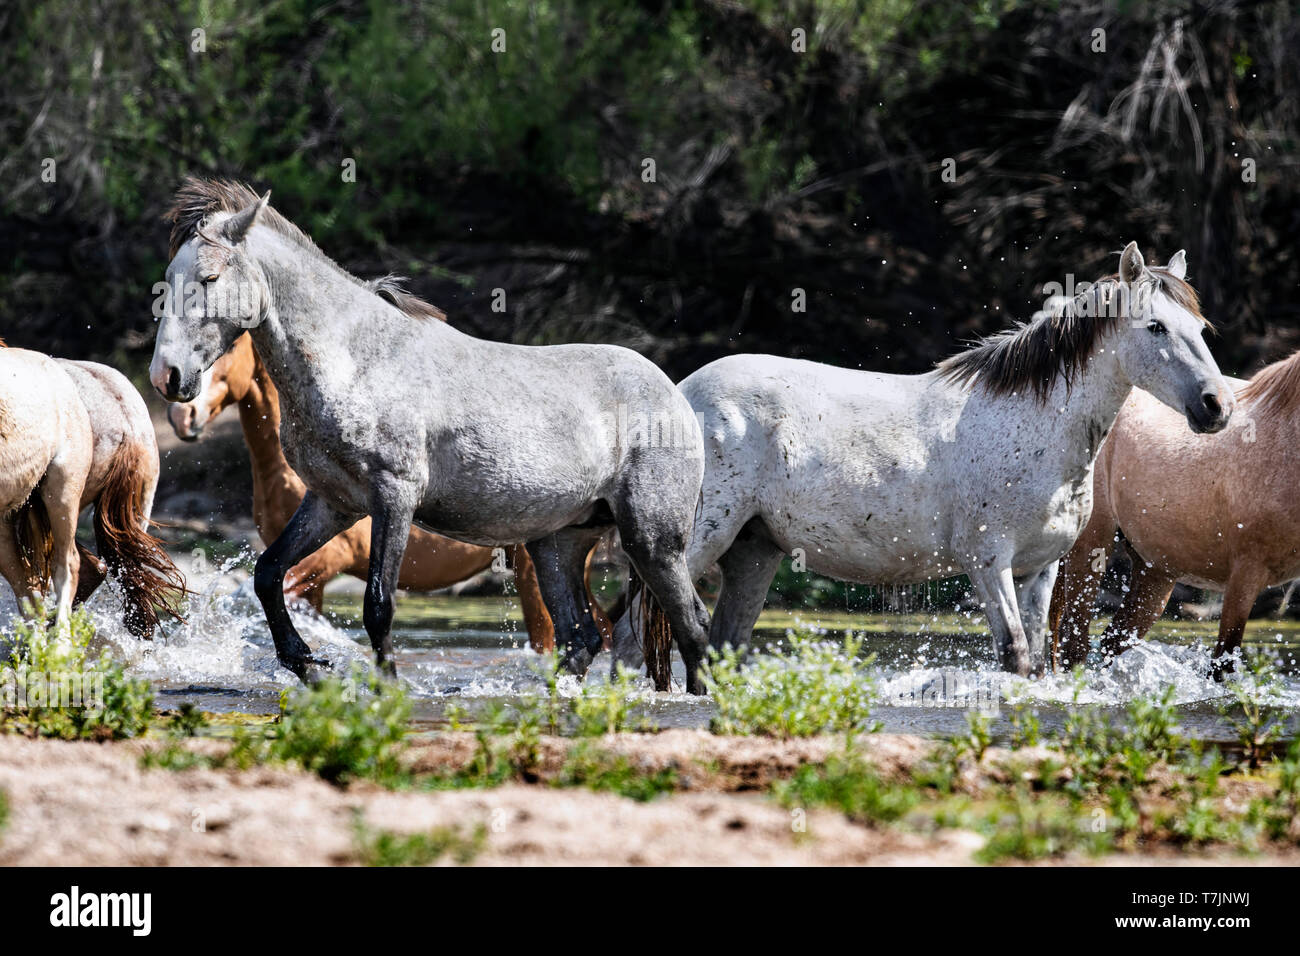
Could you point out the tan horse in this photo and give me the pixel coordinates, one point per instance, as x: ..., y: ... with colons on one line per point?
x: 46, y: 454
x: 431, y: 561
x: 1214, y: 511
x: 120, y: 486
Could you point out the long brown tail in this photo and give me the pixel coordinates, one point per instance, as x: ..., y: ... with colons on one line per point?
x: 151, y: 582
x: 35, y: 537
x: 655, y: 633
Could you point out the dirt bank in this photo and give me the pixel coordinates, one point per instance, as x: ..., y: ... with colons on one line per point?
x: 92, y: 804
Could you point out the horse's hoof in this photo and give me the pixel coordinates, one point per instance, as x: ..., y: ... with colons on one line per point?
x: 310, y: 670
x: 577, y: 661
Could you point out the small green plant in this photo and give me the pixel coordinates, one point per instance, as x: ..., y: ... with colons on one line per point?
x: 599, y: 770
x: 977, y: 738
x: 1252, y: 710
x: 4, y: 810
x: 187, y: 721
x: 386, y: 848
x: 172, y: 756
x: 1278, y: 815
x: 68, y: 693
x: 602, y: 709
x: 339, y: 729
x: 1023, y: 828
x: 848, y: 783
x: 1025, y: 729
x: 809, y: 687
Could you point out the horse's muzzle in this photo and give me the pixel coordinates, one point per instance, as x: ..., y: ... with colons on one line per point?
x: 1210, y: 414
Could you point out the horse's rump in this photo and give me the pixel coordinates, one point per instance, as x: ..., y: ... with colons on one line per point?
x: 151, y: 582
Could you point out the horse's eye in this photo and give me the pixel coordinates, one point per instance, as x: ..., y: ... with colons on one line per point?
x: 1157, y: 328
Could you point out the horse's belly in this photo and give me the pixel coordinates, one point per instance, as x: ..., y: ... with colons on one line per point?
x: 867, y: 546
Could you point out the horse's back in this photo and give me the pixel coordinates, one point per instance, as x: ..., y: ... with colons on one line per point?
x: 1194, y: 503
x: 42, y: 423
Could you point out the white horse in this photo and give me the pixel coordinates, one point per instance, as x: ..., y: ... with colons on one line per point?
x: 982, y: 467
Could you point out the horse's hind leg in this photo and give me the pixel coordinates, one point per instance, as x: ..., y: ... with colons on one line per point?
x: 1244, y: 584
x: 747, y: 570
x: 658, y: 555
x: 996, y: 589
x: 559, y: 560
x: 1075, y: 592
x: 1144, y: 602
x: 61, y: 494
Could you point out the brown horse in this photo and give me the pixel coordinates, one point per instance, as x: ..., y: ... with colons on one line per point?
x: 431, y: 561
x: 1215, y: 511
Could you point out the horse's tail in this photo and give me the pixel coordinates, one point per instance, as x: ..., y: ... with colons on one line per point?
x: 35, y: 537
x: 150, y: 581
x: 653, y: 630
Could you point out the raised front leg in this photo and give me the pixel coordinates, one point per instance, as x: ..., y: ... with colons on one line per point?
x: 996, y: 589
x: 311, y: 526
x: 389, y: 528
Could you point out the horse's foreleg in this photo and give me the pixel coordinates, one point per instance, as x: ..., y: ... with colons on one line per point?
x: 390, y: 526
x: 1244, y: 584
x: 747, y: 571
x: 311, y: 526
x: 996, y: 589
x: 1034, y: 594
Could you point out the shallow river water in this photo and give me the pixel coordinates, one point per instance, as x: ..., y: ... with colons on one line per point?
x: 222, y: 659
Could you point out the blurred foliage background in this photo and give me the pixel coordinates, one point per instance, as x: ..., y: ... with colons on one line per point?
x: 775, y: 169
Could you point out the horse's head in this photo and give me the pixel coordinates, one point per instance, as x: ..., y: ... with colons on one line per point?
x: 1160, y: 345
x: 224, y: 384
x: 216, y: 292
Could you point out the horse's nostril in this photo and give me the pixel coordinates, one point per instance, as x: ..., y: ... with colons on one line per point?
x: 1212, y: 404
x: 174, y: 381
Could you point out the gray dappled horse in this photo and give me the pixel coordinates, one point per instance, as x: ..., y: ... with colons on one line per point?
x: 400, y: 418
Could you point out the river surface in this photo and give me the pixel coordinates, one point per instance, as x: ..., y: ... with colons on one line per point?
x: 928, y: 671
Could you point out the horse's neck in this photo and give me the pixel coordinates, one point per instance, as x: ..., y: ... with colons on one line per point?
x: 276, y: 487
x: 1086, y: 412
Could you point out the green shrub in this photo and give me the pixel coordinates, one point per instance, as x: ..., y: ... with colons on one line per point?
x: 1252, y: 710
x: 605, y: 772
x: 846, y: 782
x: 385, y: 848
x: 810, y: 687
x: 339, y: 729
x: 111, y: 705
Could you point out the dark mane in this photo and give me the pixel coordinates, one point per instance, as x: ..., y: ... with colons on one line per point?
x: 196, y: 199
x: 1033, y: 356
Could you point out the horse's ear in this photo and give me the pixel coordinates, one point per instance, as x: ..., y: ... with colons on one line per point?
x: 234, y: 229
x: 1178, y: 264
x: 1131, y: 263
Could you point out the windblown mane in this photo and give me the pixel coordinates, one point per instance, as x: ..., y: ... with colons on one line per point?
x: 1275, y: 387
x: 198, y: 198
x: 1033, y: 356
